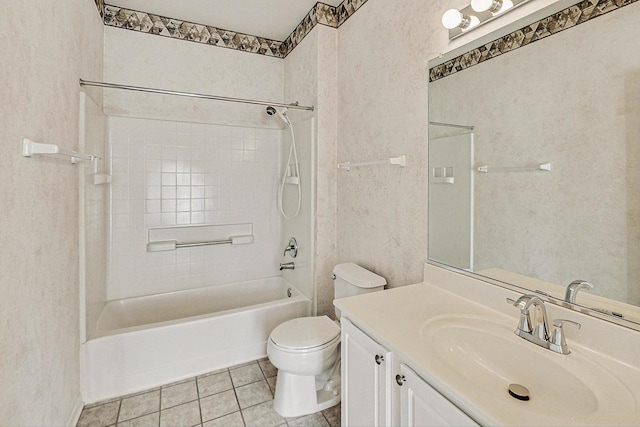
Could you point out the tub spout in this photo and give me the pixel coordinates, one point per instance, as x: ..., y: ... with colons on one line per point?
x: 287, y: 266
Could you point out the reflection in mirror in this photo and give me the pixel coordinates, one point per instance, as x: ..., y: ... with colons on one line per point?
x: 556, y: 135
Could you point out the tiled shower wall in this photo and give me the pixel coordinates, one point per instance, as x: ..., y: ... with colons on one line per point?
x: 168, y: 174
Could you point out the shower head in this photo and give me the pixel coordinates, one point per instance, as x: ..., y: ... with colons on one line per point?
x: 273, y: 111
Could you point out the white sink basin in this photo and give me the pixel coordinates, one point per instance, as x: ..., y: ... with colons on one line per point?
x: 480, y: 357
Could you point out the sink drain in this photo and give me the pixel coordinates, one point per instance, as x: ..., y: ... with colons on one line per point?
x: 519, y: 392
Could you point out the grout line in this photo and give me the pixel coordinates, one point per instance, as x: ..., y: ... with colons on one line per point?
x: 199, y: 405
x: 119, y: 408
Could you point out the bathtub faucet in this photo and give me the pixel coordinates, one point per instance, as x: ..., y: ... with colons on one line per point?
x: 287, y: 266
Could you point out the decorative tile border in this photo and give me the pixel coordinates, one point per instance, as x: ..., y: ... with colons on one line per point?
x: 579, y: 13
x: 100, y: 6
x: 159, y: 25
x: 347, y: 8
x: 320, y: 13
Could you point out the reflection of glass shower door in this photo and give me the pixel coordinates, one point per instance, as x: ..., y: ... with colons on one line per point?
x: 451, y: 200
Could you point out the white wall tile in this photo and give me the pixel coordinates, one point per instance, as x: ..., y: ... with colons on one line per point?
x: 185, y: 178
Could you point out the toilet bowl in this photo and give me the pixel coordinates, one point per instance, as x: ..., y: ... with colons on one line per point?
x: 306, y: 350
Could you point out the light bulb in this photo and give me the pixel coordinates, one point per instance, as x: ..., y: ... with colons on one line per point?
x: 453, y: 18
x: 486, y: 5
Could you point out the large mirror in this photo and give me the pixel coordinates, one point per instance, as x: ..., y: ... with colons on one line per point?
x: 534, y: 161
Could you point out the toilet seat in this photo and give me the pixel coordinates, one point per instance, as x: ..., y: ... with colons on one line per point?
x: 305, y: 334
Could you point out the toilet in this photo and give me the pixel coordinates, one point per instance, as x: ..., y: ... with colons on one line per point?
x: 306, y: 350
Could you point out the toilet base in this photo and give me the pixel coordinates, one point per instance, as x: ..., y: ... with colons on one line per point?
x: 298, y: 395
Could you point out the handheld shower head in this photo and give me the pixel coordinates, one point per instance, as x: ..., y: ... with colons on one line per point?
x: 273, y: 111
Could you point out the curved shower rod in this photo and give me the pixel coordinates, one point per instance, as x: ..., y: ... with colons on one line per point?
x: 293, y: 106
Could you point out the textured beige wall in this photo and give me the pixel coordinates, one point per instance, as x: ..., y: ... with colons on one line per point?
x: 382, y: 67
x: 46, y: 47
x: 310, y: 77
x: 147, y: 60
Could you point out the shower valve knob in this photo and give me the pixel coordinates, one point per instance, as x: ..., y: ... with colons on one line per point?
x: 292, y: 248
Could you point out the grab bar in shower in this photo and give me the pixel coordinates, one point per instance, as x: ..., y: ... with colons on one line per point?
x: 398, y: 161
x: 31, y: 148
x: 172, y: 245
x: 545, y: 167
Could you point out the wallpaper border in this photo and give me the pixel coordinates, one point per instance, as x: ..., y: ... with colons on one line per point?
x: 569, y: 17
x: 100, y: 6
x: 320, y: 13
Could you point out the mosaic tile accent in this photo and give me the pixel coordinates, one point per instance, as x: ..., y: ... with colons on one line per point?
x: 579, y: 13
x: 320, y: 13
x: 100, y: 6
x: 347, y: 8
x: 119, y: 17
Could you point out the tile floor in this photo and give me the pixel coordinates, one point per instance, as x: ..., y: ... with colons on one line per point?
x: 238, y: 396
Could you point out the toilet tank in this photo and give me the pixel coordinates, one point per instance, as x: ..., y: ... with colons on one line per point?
x: 351, y: 279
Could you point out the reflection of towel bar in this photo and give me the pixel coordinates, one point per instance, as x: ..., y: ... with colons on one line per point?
x: 171, y: 245
x: 546, y: 167
x: 398, y: 161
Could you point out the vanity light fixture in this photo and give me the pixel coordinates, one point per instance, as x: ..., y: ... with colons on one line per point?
x: 493, y: 6
x: 453, y: 18
x: 477, y: 13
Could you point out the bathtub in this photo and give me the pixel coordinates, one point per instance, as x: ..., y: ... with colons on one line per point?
x: 144, y: 342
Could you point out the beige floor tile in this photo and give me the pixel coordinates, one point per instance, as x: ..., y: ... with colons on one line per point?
x: 231, y: 420
x: 254, y: 393
x: 333, y: 415
x: 267, y: 368
x: 139, y: 405
x: 272, y: 384
x: 178, y: 394
x: 186, y: 415
x: 262, y: 415
x: 246, y: 374
x: 101, y: 415
x: 218, y: 405
x: 216, y: 383
x: 150, y: 420
x: 313, y: 420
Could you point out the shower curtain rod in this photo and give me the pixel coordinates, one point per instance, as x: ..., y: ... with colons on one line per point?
x: 294, y: 106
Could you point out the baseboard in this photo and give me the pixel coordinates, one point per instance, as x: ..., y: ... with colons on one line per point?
x: 74, y: 416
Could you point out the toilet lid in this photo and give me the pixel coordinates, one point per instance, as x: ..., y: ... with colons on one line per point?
x: 305, y: 332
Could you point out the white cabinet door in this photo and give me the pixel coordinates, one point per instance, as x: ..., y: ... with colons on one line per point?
x: 421, y: 405
x: 366, y: 400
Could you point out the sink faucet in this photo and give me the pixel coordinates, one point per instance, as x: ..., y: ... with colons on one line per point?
x: 526, y: 324
x: 539, y: 331
x: 287, y: 266
x: 573, y: 288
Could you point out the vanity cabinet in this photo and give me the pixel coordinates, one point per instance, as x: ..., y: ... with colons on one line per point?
x: 379, y: 390
x: 366, y: 374
x: 421, y: 405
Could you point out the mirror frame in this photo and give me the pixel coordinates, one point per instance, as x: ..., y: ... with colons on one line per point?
x: 556, y: 17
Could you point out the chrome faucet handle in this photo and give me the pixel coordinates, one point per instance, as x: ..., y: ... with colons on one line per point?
x: 558, y: 342
x: 524, y: 324
x: 574, y: 287
x: 292, y: 248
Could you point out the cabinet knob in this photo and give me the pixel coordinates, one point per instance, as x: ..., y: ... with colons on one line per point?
x: 400, y: 379
x: 379, y: 359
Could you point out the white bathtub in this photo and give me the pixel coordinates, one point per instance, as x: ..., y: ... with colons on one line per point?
x: 143, y: 342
